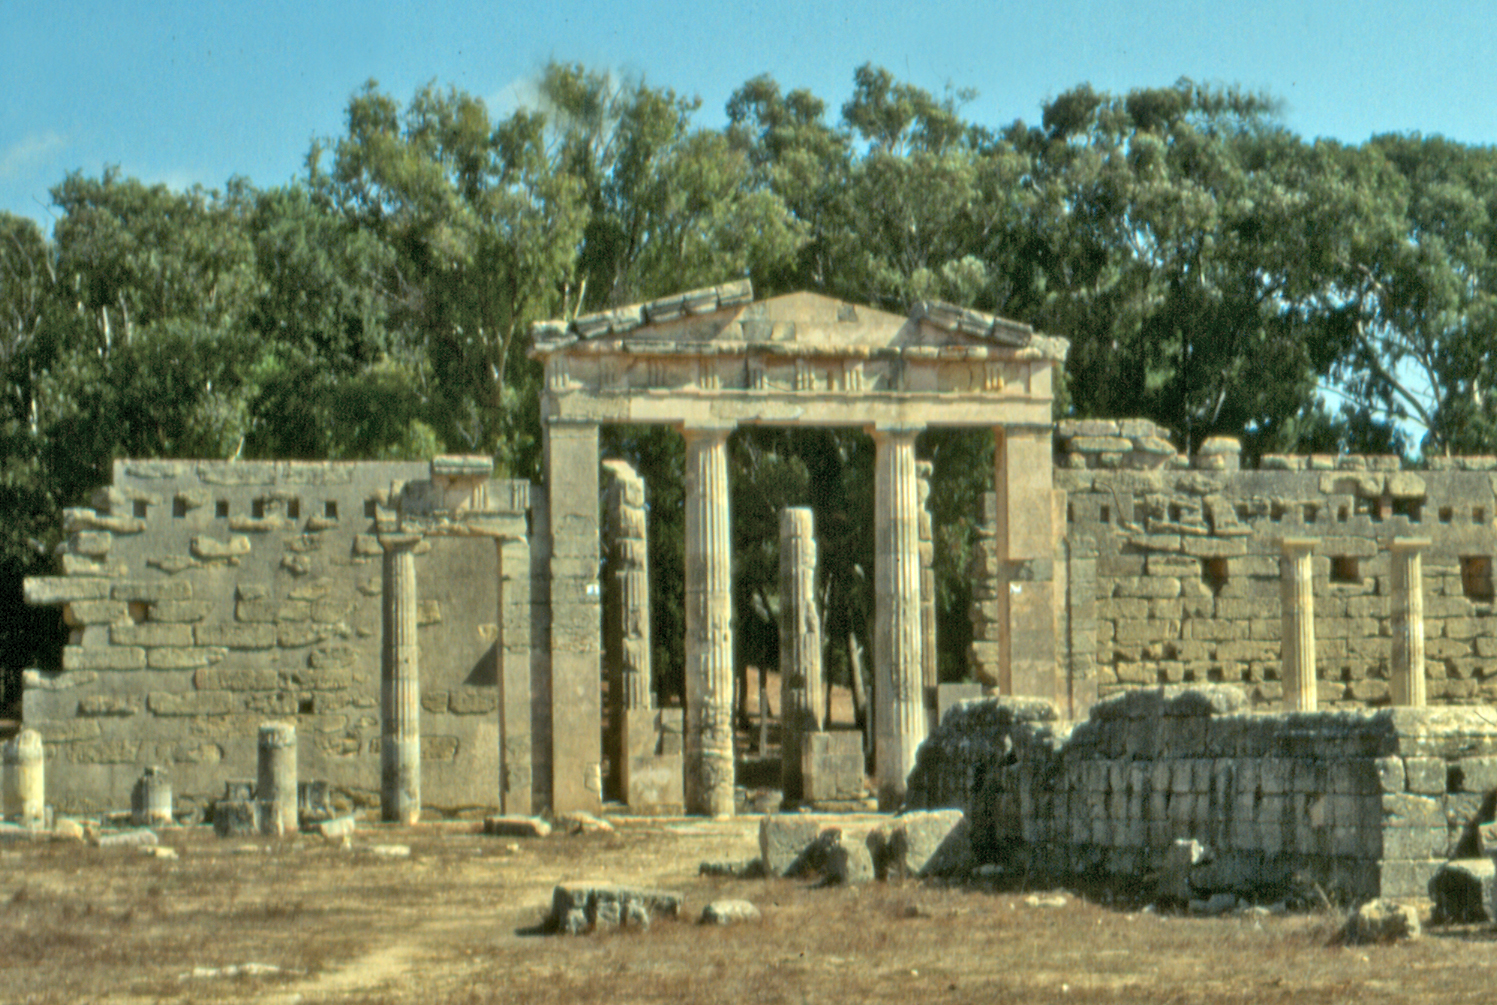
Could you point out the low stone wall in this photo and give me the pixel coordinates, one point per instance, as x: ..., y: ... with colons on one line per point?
x: 1364, y: 803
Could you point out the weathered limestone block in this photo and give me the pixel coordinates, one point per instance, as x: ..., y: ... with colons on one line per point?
x: 511, y: 826
x: 729, y: 912
x: 832, y: 766
x: 150, y: 591
x: 186, y: 658
x: 109, y: 705
x: 150, y: 634
x: 167, y: 703
x: 235, y: 679
x: 581, y: 907
x: 211, y: 549
x: 652, y: 745
x: 930, y: 843
x: 783, y: 839
x: 151, y: 798
x: 179, y: 611
x: 43, y: 590
x: 103, y: 658
x: 96, y: 612
x: 235, y: 636
x: 473, y: 701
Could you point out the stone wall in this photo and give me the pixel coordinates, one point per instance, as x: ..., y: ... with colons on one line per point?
x: 208, y: 597
x: 1173, y: 565
x: 1362, y: 802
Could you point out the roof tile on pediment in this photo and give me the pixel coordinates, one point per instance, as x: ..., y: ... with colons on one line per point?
x: 792, y: 323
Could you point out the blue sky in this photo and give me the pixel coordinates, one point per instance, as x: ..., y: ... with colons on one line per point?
x: 196, y: 92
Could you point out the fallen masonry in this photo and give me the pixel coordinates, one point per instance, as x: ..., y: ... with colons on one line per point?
x: 582, y: 907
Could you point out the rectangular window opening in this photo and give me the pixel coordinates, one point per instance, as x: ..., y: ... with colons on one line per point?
x: 1276, y: 512
x: 1312, y: 511
x: 140, y: 509
x: 1214, y: 574
x: 1476, y: 577
x: 371, y: 509
x: 1344, y: 569
x: 293, y: 509
x: 1478, y: 515
x: 1412, y: 509
x: 1342, y: 514
x: 330, y: 509
x: 1446, y: 514
x: 1105, y: 514
x: 221, y: 509
x: 179, y: 507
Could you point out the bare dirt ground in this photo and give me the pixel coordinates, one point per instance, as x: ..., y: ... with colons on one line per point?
x: 455, y: 922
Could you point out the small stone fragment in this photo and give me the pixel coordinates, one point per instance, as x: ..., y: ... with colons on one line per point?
x: 729, y: 912
x: 390, y: 850
x: 124, y: 839
x: 529, y: 827
x: 1381, y: 921
x: 339, y: 828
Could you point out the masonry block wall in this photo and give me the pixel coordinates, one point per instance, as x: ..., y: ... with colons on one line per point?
x: 1364, y: 802
x: 207, y: 597
x: 1172, y: 565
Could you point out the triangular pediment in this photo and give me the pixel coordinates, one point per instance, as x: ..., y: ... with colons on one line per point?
x: 806, y: 322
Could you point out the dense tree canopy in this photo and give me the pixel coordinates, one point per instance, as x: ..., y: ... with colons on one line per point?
x: 1213, y: 271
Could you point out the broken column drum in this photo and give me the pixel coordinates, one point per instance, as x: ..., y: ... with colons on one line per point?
x: 1406, y: 680
x: 400, y: 685
x: 899, y: 716
x: 151, y: 798
x: 1297, y: 596
x: 802, y: 692
x: 25, y: 779
x: 275, y: 789
x: 709, y: 625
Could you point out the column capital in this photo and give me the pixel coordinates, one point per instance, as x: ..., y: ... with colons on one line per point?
x: 1406, y: 544
x: 1298, y: 545
x: 707, y: 430
x: 400, y: 540
x: 895, y: 430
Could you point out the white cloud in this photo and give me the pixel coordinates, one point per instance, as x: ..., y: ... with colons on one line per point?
x: 21, y: 156
x: 517, y: 94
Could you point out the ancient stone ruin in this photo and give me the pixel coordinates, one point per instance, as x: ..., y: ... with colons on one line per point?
x: 438, y: 636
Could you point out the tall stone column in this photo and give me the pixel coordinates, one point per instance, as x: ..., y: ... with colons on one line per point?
x: 513, y: 650
x: 709, y: 624
x: 1407, y: 678
x: 626, y: 614
x: 802, y: 691
x: 576, y: 608
x: 275, y: 788
x: 25, y: 794
x: 400, y: 684
x: 930, y: 675
x: 899, y: 716
x: 1024, y: 553
x: 1297, y: 592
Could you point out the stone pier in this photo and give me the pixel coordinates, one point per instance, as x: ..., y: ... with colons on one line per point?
x: 899, y: 715
x: 802, y: 690
x: 709, y: 624
x: 275, y: 789
x: 1406, y: 683
x: 1297, y: 598
x: 400, y: 684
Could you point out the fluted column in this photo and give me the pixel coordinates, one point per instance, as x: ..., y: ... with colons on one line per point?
x: 709, y: 625
x: 899, y: 717
x: 1297, y: 592
x: 275, y: 787
x: 1407, y: 678
x: 801, y: 688
x: 400, y: 685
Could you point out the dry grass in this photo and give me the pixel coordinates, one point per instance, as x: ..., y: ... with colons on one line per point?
x: 448, y: 924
